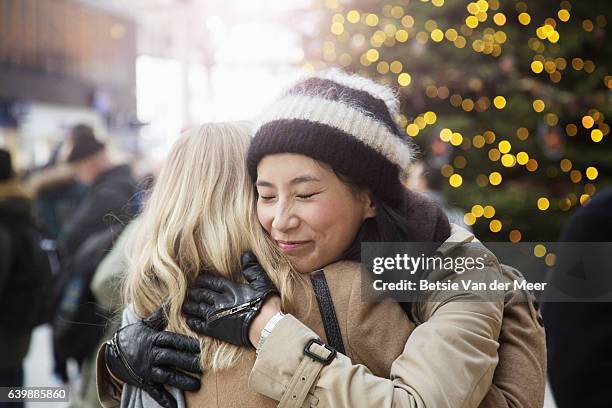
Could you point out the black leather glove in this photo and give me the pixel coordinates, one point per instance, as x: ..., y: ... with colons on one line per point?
x: 143, y: 355
x: 220, y: 308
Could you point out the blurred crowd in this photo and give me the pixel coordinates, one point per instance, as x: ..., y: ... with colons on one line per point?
x: 58, y: 225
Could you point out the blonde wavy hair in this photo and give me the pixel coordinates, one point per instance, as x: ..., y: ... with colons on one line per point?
x: 201, y: 215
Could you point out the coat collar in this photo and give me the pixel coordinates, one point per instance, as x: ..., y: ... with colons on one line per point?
x: 458, y: 236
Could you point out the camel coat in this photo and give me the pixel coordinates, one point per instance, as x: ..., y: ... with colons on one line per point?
x: 450, y: 359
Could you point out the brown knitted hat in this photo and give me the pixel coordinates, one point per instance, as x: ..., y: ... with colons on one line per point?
x: 345, y: 121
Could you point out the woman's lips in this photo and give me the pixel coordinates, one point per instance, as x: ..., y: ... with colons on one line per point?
x: 292, y: 246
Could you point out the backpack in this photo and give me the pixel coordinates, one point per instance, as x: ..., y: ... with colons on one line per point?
x: 79, y: 322
x: 23, y: 300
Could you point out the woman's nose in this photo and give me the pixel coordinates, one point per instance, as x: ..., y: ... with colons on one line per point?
x: 285, y: 219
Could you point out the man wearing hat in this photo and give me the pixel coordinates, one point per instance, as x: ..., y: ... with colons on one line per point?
x: 110, y: 189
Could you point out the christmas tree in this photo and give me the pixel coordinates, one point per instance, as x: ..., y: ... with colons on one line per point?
x: 507, y: 100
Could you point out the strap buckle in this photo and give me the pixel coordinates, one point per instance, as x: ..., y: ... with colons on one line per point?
x: 324, y: 361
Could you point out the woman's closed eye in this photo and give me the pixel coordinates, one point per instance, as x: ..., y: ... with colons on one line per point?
x: 266, y: 197
x: 307, y: 196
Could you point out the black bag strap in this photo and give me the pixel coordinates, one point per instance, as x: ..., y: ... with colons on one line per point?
x: 327, y: 310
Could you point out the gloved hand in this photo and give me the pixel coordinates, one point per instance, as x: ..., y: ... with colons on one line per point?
x: 143, y: 355
x: 220, y: 308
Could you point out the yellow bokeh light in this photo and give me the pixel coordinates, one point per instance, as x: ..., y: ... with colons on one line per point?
x: 401, y: 35
x: 495, y: 178
x: 596, y: 135
x: 382, y: 67
x: 430, y: 117
x: 482, y: 5
x: 469, y: 219
x: 563, y: 15
x: 455, y: 180
x: 495, y: 225
x: 437, y: 35
x: 499, y: 102
x: 472, y: 8
x: 478, y: 141
x: 477, y: 210
x: 576, y: 176
x: 587, y: 121
x: 353, y: 16
x: 471, y: 21
x: 504, y: 146
x: 456, y: 139
x: 571, y: 129
x: 494, y: 154
x: 499, y: 19
x: 372, y: 55
x: 522, y: 133
x: 408, y: 21
x: 445, y: 134
x: 591, y: 173
x: 337, y: 28
x: 538, y: 105
x: 508, y: 160
x: 420, y: 122
x: 371, y: 20
x: 412, y: 130
x: 543, y: 203
x: 451, y: 34
x: 539, y: 250
x: 447, y: 170
x: 537, y: 66
x: 489, y: 211
x: 584, y: 199
x: 404, y: 79
x: 437, y: 3
x: 396, y: 67
x: 460, y: 42
x: 524, y: 18
x: 522, y: 158
x: 566, y: 165
x: 397, y: 12
x: 467, y: 105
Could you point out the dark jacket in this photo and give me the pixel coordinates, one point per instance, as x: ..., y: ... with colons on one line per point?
x: 106, y: 203
x: 14, y: 220
x: 579, y: 335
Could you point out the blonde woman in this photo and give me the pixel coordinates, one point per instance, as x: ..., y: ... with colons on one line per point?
x: 200, y: 216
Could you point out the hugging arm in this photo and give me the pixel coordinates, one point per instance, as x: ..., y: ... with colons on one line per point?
x: 144, y: 356
x: 448, y: 361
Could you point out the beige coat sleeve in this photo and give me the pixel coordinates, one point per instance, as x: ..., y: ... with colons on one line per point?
x: 448, y: 361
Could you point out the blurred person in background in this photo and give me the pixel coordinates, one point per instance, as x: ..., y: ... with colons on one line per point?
x: 579, y: 335
x: 110, y: 188
x: 56, y: 193
x: 24, y: 273
x: 83, y: 242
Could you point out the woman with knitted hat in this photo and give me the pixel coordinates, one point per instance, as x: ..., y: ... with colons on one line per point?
x: 326, y: 161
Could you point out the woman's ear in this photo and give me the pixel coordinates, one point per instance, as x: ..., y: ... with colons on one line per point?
x: 370, y: 206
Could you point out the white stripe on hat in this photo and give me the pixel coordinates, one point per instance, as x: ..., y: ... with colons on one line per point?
x: 346, y: 118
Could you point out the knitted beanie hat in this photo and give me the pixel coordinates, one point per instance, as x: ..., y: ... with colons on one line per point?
x: 345, y: 121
